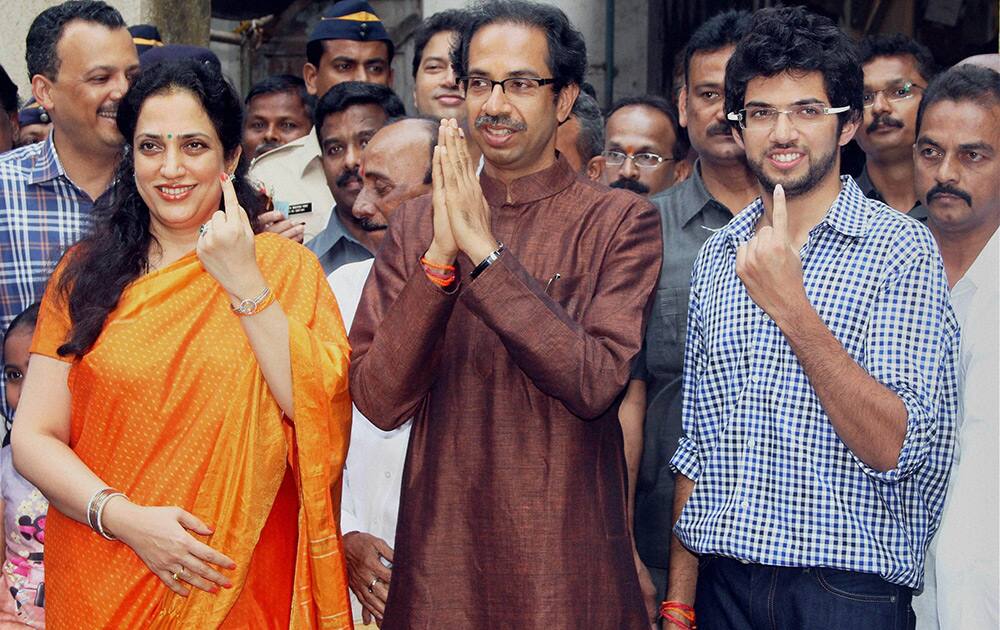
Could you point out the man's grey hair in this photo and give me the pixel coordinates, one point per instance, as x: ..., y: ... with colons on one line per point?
x: 590, y: 143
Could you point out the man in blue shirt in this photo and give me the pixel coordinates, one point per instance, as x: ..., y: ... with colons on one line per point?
x: 819, y: 376
x: 346, y: 118
x: 81, y: 59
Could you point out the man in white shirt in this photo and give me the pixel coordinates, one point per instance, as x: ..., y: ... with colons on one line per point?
x: 957, y: 167
x: 396, y: 166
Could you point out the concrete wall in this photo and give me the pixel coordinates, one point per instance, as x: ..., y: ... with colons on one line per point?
x: 179, y: 22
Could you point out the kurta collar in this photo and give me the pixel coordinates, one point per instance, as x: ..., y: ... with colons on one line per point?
x: 530, y: 188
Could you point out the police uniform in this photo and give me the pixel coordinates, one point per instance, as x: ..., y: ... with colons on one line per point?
x: 293, y: 173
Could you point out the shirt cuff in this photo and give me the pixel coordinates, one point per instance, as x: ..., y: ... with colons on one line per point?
x: 685, y: 461
x: 915, y: 447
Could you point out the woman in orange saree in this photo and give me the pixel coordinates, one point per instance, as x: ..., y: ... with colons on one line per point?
x: 209, y: 390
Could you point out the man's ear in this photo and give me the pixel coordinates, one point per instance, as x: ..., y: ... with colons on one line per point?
x: 309, y: 73
x: 682, y: 170
x: 682, y: 108
x: 848, y: 130
x: 41, y: 88
x: 595, y: 168
x: 565, y: 101
x: 737, y: 136
x: 15, y: 128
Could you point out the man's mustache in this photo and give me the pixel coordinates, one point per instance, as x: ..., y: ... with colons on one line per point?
x: 719, y: 129
x: 347, y: 177
x: 265, y: 147
x: 884, y: 120
x: 944, y: 189
x: 630, y: 184
x: 485, y: 120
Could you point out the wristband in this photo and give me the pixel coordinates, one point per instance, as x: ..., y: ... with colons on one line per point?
x: 489, y: 260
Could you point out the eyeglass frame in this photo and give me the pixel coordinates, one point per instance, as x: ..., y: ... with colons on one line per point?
x: 632, y: 156
x: 502, y: 83
x: 907, y: 85
x: 739, y: 116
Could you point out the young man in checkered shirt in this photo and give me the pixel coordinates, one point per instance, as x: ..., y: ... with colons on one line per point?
x: 820, y: 391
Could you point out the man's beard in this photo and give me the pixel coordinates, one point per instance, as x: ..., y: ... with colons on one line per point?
x: 630, y: 184
x: 818, y: 169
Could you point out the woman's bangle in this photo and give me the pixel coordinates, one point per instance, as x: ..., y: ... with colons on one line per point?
x: 95, y: 510
x: 92, y: 506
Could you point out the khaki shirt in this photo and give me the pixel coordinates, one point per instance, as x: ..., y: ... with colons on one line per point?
x: 293, y: 176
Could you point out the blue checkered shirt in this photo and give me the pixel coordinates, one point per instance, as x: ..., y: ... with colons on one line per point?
x: 775, y: 485
x: 42, y: 213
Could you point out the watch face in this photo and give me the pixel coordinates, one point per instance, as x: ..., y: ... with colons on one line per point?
x: 246, y: 306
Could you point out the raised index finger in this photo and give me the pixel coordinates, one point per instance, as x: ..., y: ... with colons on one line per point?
x: 779, y: 213
x: 231, y: 203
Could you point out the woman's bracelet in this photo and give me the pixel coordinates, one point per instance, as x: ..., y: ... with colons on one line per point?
x: 95, y: 509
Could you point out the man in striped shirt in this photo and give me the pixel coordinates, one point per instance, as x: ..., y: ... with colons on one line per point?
x: 819, y: 378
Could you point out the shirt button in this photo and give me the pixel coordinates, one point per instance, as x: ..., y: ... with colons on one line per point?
x: 388, y: 474
x: 751, y: 443
x: 745, y: 504
x: 755, y: 378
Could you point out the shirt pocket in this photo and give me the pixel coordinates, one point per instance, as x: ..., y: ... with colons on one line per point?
x: 666, y: 331
x: 573, y: 293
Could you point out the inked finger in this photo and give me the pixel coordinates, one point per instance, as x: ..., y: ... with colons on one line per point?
x: 779, y: 213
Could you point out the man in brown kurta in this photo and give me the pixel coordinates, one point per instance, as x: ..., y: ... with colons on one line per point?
x: 513, y: 510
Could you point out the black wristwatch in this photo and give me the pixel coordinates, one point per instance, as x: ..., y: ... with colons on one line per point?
x: 489, y: 260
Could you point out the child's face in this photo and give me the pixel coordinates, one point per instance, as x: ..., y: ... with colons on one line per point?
x: 15, y: 363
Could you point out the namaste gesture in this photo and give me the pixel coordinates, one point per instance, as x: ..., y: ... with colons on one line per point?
x: 461, y: 214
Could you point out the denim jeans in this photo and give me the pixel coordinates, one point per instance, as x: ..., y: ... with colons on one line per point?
x: 734, y: 595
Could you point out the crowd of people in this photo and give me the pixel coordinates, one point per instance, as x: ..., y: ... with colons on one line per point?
x: 300, y: 359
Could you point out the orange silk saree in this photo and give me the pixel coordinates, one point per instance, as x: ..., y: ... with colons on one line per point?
x: 171, y: 408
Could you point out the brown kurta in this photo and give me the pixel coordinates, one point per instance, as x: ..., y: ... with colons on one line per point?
x: 513, y: 510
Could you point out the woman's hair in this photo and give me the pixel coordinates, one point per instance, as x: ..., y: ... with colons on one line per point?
x: 116, y: 251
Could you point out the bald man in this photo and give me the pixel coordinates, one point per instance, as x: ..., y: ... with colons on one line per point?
x: 395, y: 167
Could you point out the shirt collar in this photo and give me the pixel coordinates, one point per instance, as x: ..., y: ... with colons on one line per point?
x: 697, y: 194
x: 983, y: 270
x: 530, y: 188
x: 46, y: 165
x: 848, y: 214
x: 301, y: 152
x: 331, y: 235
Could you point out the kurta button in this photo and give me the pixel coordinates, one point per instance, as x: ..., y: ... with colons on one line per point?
x: 388, y: 474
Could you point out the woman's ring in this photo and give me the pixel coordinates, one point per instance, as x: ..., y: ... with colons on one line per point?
x: 371, y: 585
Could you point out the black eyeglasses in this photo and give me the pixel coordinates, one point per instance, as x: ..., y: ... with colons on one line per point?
x: 515, y: 86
